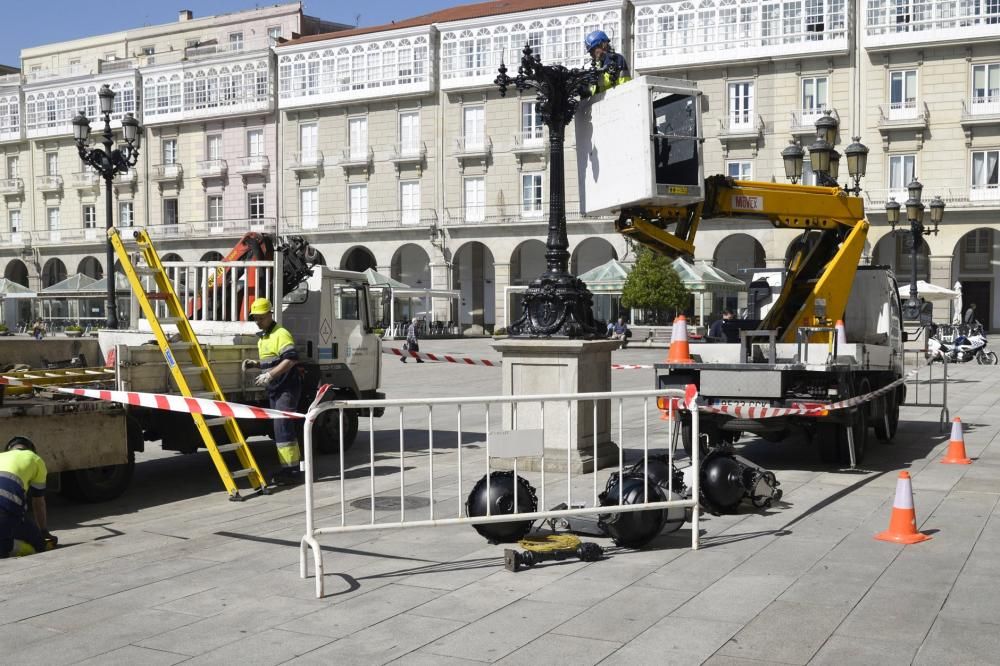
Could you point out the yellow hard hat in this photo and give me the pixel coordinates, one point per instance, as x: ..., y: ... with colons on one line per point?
x: 260, y: 306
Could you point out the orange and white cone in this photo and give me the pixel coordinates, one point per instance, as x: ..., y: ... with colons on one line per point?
x: 680, y: 352
x: 903, y: 523
x: 841, y: 334
x: 956, y: 446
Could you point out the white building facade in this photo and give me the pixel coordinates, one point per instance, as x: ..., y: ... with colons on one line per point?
x: 391, y: 148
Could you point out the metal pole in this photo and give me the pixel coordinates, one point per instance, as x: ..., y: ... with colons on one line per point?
x: 917, y: 234
x: 109, y: 273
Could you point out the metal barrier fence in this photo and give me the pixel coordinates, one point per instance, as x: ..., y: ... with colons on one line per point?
x: 449, y: 412
x: 216, y: 290
x: 917, y: 398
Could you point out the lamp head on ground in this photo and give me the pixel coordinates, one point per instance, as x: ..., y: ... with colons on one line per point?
x: 81, y: 128
x: 793, y: 156
x: 892, y: 212
x: 826, y: 128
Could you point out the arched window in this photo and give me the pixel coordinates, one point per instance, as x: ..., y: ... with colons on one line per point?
x: 706, y: 25
x: 285, y: 76
x: 358, y: 67
x: 374, y: 66
x: 554, y: 41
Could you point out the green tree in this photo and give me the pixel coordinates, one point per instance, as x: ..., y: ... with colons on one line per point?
x: 654, y: 285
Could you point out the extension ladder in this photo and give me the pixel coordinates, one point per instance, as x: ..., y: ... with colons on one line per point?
x: 23, y: 381
x: 196, y: 368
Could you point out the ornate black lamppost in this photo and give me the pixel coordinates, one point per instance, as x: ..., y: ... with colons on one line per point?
x: 912, y: 308
x: 555, y: 303
x: 108, y: 163
x: 824, y: 158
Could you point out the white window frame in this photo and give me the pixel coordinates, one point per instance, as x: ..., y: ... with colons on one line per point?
x: 357, y: 137
x: 906, y: 104
x: 255, y: 142
x: 903, y: 166
x: 52, y: 218
x: 532, y: 127
x: 357, y: 197
x: 273, y: 34
x: 236, y: 41
x: 409, y: 202
x: 214, y: 211
x: 740, y: 169
x: 409, y: 132
x: 309, y: 141
x: 126, y: 213
x: 169, y: 150
x: 176, y: 211
x: 985, y: 97
x: 92, y: 222
x: 474, y: 211
x: 213, y: 147
x: 52, y: 163
x: 531, y: 204
x: 15, y: 162
x: 256, y: 206
x: 474, y: 126
x: 14, y: 220
x: 820, y: 103
x: 984, y: 180
x: 741, y: 104
x: 309, y: 207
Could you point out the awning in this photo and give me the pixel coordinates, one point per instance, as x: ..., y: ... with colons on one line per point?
x: 606, y: 278
x: 11, y: 289
x: 71, y: 286
x: 376, y: 279
x: 702, y: 277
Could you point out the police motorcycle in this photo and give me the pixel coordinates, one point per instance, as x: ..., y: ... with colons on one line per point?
x: 962, y: 348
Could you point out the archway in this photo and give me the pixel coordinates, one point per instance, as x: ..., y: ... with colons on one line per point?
x: 893, y: 250
x: 320, y: 259
x: 212, y: 256
x: 739, y: 253
x: 171, y: 256
x: 974, y: 264
x: 53, y: 272
x: 591, y: 253
x: 358, y: 259
x: 473, y: 275
x: 91, y: 267
x: 527, y: 262
x: 16, y: 271
x: 411, y: 265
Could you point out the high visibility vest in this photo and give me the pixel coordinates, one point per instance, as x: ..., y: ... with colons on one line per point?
x: 22, y: 475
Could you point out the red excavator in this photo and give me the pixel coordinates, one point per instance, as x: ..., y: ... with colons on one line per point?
x: 298, y: 259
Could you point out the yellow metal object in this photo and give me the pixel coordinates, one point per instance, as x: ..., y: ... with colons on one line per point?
x: 822, y: 272
x: 24, y: 381
x: 186, y: 348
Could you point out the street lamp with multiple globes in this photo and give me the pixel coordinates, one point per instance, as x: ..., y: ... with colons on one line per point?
x: 824, y: 159
x: 556, y: 303
x: 914, y: 308
x: 109, y: 162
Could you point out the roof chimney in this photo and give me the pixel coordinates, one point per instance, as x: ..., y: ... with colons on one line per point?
x: 185, y: 15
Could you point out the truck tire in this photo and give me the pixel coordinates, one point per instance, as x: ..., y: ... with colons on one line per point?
x: 98, y: 484
x: 889, y: 412
x: 327, y: 431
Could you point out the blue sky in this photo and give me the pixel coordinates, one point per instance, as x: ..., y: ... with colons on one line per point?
x: 32, y: 23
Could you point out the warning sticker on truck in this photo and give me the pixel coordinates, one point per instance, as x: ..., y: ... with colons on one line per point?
x: 743, y: 202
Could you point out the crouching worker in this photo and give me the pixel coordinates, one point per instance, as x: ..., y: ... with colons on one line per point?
x: 22, y: 477
x: 283, y: 383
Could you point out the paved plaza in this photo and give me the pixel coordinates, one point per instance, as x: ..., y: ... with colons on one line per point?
x: 172, y: 572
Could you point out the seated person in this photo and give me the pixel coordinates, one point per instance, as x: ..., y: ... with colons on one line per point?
x: 716, y: 331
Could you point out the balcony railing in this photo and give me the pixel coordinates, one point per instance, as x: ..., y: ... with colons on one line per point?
x: 356, y: 157
x: 973, y: 196
x: 126, y: 179
x: 48, y: 183
x: 11, y: 187
x: 167, y: 172
x: 513, y: 214
x: 530, y: 141
x: 85, y: 180
x: 742, y: 125
x: 409, y: 153
x: 910, y: 114
x: 252, y: 165
x: 306, y: 161
x: 233, y: 227
x: 804, y: 120
x: 116, y: 65
x: 371, y: 220
x: 984, y: 110
x: 211, y: 169
x: 14, y: 238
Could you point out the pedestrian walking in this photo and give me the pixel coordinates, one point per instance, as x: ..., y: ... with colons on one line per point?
x: 411, y: 344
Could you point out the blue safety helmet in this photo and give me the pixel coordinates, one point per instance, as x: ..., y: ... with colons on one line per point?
x: 595, y: 38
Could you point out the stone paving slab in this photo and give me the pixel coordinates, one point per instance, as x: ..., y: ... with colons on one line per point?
x: 172, y: 572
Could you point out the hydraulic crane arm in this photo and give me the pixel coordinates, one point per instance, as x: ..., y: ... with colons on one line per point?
x: 823, y: 264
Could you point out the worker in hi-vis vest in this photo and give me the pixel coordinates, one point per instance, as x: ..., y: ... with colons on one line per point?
x: 22, y: 478
x: 283, y: 382
x: 612, y: 67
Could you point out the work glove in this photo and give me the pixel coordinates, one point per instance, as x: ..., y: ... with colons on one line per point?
x: 263, y: 379
x: 250, y: 363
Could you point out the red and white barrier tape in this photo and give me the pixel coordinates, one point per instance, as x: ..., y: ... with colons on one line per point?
x: 625, y: 366
x: 179, y: 403
x: 801, y: 409
x: 440, y: 358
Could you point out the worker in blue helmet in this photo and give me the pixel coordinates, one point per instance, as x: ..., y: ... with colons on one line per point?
x: 612, y: 67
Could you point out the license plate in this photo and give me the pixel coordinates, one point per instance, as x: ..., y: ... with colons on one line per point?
x: 741, y: 403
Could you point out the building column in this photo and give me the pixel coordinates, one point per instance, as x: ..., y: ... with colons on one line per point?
x: 501, y: 275
x: 441, y: 279
x: 772, y: 262
x: 940, y: 270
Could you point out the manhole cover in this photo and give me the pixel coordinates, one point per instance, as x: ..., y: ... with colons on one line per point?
x: 390, y: 503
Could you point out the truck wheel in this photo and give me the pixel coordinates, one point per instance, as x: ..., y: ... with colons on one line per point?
x: 98, y: 484
x: 327, y: 431
x: 889, y: 412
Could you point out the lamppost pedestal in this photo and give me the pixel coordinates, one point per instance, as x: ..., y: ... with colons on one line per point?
x: 540, y: 366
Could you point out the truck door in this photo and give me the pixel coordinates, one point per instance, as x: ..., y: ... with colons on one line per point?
x: 350, y: 327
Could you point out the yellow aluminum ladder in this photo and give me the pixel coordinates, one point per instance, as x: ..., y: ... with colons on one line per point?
x: 23, y: 381
x: 198, y: 368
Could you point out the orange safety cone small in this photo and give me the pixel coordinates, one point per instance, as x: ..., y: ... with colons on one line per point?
x: 841, y: 334
x: 956, y: 446
x: 680, y: 352
x: 903, y: 523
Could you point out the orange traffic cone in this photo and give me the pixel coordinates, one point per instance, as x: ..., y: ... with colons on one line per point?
x: 956, y: 447
x: 841, y: 334
x: 903, y: 524
x: 679, y: 350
